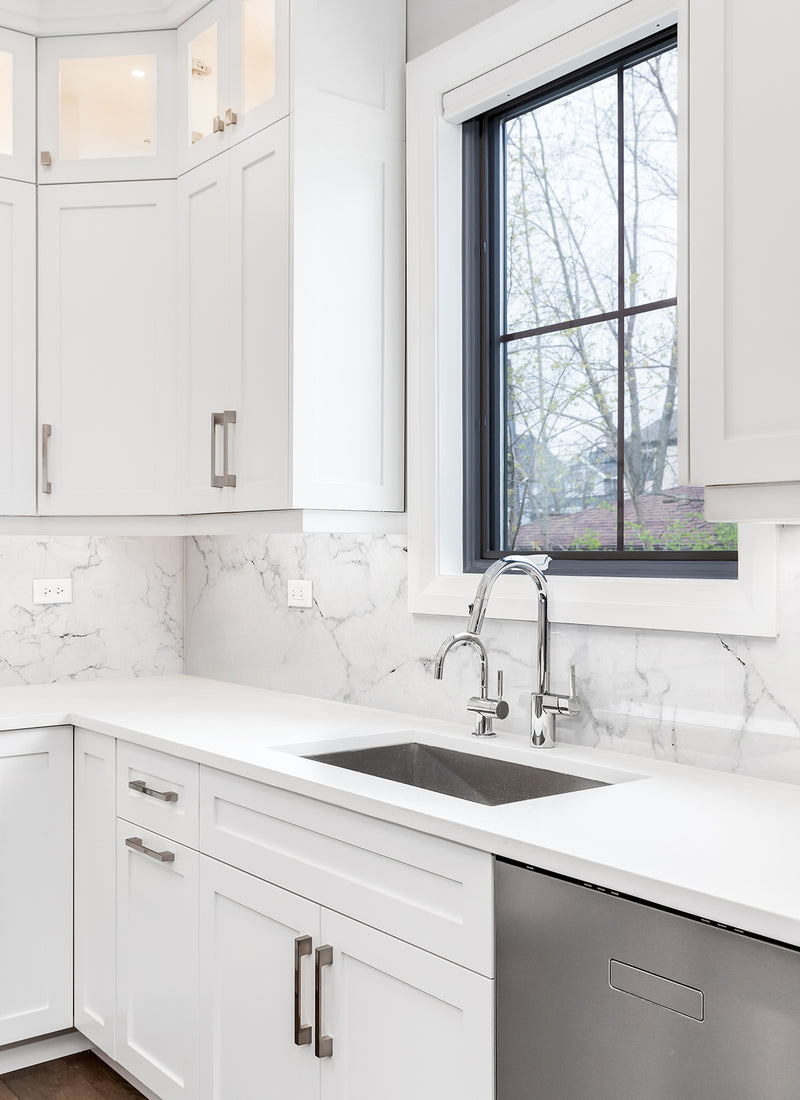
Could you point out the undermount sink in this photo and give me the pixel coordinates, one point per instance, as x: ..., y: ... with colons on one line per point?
x: 477, y: 778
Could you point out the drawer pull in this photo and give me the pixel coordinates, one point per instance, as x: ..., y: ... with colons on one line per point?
x: 302, y: 1032
x: 142, y: 788
x: 137, y: 845
x: 323, y: 1044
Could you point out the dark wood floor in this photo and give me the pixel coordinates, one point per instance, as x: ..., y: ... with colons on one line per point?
x: 78, y: 1077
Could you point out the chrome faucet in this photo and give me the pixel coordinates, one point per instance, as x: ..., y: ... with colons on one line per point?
x: 484, y: 708
x: 544, y: 705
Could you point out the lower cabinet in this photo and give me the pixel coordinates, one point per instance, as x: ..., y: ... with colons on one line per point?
x: 299, y: 1002
x: 157, y: 961
x: 36, y: 882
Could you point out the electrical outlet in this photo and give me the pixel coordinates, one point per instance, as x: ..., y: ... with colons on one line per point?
x: 53, y: 591
x: 299, y: 594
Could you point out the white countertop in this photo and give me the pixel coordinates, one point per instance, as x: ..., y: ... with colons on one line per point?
x: 718, y: 846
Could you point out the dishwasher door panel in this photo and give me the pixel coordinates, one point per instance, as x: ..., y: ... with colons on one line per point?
x: 603, y: 998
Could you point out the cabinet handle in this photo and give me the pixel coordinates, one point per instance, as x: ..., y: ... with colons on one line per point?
x: 140, y: 786
x: 45, y: 159
x: 221, y: 420
x: 231, y: 118
x: 323, y: 1044
x: 302, y: 1032
x: 136, y: 843
x: 218, y: 124
x: 47, y: 431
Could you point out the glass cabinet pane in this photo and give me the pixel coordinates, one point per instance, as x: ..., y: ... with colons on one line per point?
x: 107, y: 107
x: 203, y: 83
x: 6, y: 103
x: 258, y: 52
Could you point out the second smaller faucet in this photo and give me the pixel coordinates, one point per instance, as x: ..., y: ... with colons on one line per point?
x: 484, y: 708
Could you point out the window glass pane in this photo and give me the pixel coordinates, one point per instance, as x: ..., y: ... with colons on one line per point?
x: 203, y: 84
x: 561, y: 209
x: 258, y: 51
x: 107, y: 107
x: 659, y: 513
x: 651, y: 179
x: 562, y: 440
x: 6, y: 103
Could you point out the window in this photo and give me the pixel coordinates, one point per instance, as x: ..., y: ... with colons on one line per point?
x: 570, y: 275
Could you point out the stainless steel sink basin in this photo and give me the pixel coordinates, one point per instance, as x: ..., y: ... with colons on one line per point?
x: 460, y: 774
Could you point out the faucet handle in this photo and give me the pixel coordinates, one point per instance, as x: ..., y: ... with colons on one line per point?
x: 573, y: 702
x: 569, y: 705
x: 499, y: 683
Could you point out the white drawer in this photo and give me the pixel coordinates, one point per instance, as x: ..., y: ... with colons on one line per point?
x: 158, y: 792
x: 422, y: 889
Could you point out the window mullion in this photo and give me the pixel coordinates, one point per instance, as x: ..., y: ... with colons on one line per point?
x: 620, y: 311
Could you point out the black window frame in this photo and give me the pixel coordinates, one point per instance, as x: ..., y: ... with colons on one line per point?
x: 483, y: 292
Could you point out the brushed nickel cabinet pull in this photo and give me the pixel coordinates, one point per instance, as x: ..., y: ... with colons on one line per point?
x: 219, y: 125
x: 222, y: 420
x: 323, y: 1044
x: 140, y: 786
x: 231, y: 118
x: 302, y: 1032
x: 137, y: 845
x: 45, y: 159
x: 47, y: 431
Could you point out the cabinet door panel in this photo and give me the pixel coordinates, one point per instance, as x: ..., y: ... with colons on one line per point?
x: 208, y: 378
x: 36, y: 877
x: 95, y: 895
x: 404, y: 1023
x: 107, y: 347
x: 247, y: 946
x: 259, y: 329
x: 107, y: 107
x: 744, y: 237
x: 259, y: 64
x: 17, y: 105
x: 17, y: 348
x: 157, y: 1003
x: 203, y: 85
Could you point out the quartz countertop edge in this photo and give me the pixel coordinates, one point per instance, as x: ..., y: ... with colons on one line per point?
x: 722, y: 847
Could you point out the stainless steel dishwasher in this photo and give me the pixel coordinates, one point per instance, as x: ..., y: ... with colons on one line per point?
x: 601, y: 997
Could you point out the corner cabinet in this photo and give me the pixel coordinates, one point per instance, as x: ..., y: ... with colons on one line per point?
x: 744, y: 236
x: 36, y: 878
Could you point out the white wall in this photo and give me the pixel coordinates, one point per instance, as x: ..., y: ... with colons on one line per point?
x: 431, y: 22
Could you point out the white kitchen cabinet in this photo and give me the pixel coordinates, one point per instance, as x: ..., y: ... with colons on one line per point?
x: 233, y: 75
x: 36, y: 877
x: 744, y: 239
x: 107, y: 394
x: 107, y: 107
x: 17, y: 347
x: 157, y: 961
x: 95, y: 890
x: 400, y: 1021
x: 234, y: 327
x: 17, y: 105
x: 251, y: 972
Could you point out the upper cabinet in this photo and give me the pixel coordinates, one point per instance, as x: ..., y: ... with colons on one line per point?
x: 744, y: 237
x: 233, y: 75
x: 17, y: 105
x: 107, y: 107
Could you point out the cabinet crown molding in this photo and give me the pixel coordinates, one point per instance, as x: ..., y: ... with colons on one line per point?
x: 56, y: 17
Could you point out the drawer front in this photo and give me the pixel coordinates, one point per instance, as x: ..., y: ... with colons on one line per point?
x: 158, y: 792
x: 430, y: 892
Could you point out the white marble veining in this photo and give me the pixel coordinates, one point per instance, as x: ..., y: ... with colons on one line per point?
x: 725, y: 702
x: 126, y: 618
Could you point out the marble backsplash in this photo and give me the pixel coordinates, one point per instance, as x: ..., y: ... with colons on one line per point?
x: 126, y: 618
x: 726, y: 702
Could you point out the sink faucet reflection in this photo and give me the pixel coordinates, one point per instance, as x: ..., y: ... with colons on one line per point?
x: 544, y: 705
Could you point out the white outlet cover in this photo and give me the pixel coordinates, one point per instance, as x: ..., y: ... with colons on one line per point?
x: 53, y: 591
x: 299, y: 594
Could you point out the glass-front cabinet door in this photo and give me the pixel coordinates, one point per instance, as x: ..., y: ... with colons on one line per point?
x: 106, y: 107
x: 233, y: 66
x: 17, y: 105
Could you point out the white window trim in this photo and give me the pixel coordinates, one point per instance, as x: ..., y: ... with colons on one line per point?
x: 516, y: 50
